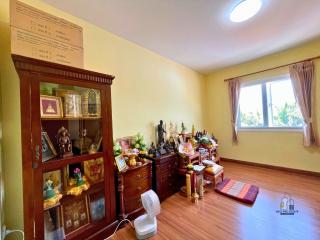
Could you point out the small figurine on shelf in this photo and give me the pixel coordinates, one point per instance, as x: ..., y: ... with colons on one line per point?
x: 161, y: 133
x: 82, y: 144
x: 168, y: 147
x: 52, y: 196
x: 193, y: 130
x: 78, y: 177
x: 152, y: 150
x: 183, y: 128
x: 214, y: 138
x: 64, y: 143
x: 77, y: 183
x: 172, y: 143
x: 49, y: 189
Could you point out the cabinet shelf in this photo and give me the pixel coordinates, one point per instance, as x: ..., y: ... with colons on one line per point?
x: 70, y: 118
x: 94, y: 187
x: 57, y: 163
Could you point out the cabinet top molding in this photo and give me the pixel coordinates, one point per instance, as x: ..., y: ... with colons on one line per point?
x: 45, y: 68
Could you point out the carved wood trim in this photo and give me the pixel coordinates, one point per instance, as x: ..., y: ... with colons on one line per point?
x: 59, y: 71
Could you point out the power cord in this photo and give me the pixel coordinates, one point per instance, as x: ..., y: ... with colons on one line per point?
x: 8, y: 232
x: 124, y: 220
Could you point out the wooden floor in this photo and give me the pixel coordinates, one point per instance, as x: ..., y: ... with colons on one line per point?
x: 218, y: 217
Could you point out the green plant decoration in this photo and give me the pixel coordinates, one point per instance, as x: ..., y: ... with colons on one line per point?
x: 139, y: 143
x: 116, y: 149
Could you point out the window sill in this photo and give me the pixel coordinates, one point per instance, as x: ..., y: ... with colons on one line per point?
x: 270, y: 129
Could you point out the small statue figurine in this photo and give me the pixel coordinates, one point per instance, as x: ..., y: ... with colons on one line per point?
x: 214, y: 138
x: 183, y: 128
x: 83, y: 144
x: 78, y: 177
x: 152, y: 150
x: 193, y: 130
x: 49, y: 189
x: 64, y: 143
x: 168, y: 147
x: 161, y: 133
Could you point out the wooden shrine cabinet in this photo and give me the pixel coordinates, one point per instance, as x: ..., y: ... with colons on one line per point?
x: 165, y: 171
x: 67, y: 154
x: 132, y: 182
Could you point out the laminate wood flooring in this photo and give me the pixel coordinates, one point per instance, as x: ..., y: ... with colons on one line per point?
x: 218, y: 217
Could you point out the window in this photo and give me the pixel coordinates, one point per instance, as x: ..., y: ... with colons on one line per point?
x: 269, y: 104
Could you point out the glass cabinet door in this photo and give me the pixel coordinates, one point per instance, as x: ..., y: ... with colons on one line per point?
x: 72, y: 159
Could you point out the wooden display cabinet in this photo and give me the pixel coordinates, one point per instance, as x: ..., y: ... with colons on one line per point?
x: 165, y: 175
x: 55, y: 96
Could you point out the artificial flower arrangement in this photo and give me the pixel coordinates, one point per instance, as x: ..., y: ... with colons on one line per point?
x: 207, y: 142
x: 116, y: 149
x: 78, y: 183
x: 139, y: 144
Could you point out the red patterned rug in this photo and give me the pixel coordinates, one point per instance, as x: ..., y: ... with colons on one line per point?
x: 240, y: 191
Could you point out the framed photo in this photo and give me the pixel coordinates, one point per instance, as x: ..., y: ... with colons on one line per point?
x: 50, y: 107
x: 47, y: 148
x: 91, y: 103
x: 121, y: 163
x: 52, y: 224
x: 94, y: 170
x: 75, y: 214
x: 71, y: 102
x: 97, y: 206
x: 125, y: 143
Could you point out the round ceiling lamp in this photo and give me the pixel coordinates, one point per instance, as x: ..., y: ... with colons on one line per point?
x: 244, y: 10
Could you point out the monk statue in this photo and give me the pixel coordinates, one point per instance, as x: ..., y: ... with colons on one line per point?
x: 64, y: 143
x: 161, y: 133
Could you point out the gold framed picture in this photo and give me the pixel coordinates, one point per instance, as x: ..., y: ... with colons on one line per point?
x: 48, y: 150
x: 121, y: 163
x: 75, y: 213
x: 71, y: 100
x: 91, y: 103
x: 94, y: 170
x: 50, y: 107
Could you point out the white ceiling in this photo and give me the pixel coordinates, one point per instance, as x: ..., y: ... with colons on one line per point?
x: 198, y: 33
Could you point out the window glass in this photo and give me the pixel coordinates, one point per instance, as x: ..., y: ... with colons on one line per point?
x: 251, y: 111
x: 283, y: 109
x: 269, y: 104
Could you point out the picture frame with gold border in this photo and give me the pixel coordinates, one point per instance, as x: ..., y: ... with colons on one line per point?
x: 50, y: 107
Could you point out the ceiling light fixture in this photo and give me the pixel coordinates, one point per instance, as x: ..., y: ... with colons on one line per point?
x: 244, y: 10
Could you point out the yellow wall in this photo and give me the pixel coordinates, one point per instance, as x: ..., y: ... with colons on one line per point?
x: 273, y: 148
x: 147, y: 88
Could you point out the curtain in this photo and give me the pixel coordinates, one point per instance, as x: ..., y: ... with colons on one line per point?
x: 234, y: 93
x: 302, y: 78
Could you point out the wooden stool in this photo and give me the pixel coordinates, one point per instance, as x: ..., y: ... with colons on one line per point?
x: 213, y: 173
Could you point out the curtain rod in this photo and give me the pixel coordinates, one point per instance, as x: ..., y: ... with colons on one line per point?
x: 269, y: 69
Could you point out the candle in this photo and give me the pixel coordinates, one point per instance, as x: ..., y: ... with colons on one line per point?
x: 201, y: 187
x: 188, y: 185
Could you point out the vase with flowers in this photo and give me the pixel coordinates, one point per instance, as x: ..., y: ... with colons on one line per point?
x: 78, y: 177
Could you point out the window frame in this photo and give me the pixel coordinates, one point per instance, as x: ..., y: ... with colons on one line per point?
x: 265, y: 111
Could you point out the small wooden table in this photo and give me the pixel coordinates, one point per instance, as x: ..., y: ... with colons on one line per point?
x: 214, y: 176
